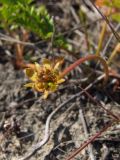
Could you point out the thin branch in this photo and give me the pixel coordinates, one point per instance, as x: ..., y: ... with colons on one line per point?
x: 13, y: 40
x: 107, y: 21
x: 98, y: 103
x: 89, y: 141
x: 92, y: 157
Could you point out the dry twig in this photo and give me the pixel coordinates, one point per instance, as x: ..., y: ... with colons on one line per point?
x: 86, y: 134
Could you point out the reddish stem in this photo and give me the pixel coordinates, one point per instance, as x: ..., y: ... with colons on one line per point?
x: 98, y: 103
x: 89, y: 141
x: 81, y: 60
x: 20, y: 64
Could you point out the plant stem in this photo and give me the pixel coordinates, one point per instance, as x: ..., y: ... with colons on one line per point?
x: 82, y: 60
x: 100, y: 104
x: 102, y: 34
x: 89, y: 141
x: 101, y: 38
x: 117, y: 48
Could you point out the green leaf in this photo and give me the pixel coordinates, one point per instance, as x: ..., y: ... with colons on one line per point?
x: 60, y: 41
x: 35, y: 19
x: 14, y: 2
x: 17, y: 13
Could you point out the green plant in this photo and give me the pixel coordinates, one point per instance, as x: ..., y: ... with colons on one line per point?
x: 19, y: 13
x: 23, y: 13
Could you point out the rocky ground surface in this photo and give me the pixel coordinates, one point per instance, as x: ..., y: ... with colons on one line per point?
x: 23, y: 113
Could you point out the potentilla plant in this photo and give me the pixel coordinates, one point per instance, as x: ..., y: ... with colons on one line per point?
x: 47, y: 76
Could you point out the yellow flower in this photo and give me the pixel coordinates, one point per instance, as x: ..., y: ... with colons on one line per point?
x: 46, y: 77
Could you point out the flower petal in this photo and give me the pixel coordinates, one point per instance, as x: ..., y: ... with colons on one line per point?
x: 34, y: 78
x: 29, y: 72
x: 46, y: 93
x: 37, y: 67
x: 56, y: 66
x: 58, y: 62
x: 39, y: 87
x: 52, y: 86
x: 29, y: 85
x: 60, y: 81
x: 47, y: 64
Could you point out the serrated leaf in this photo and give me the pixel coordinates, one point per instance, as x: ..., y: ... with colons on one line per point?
x: 35, y: 19
x: 20, y: 14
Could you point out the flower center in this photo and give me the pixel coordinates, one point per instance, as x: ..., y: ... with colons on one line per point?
x: 47, y: 76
